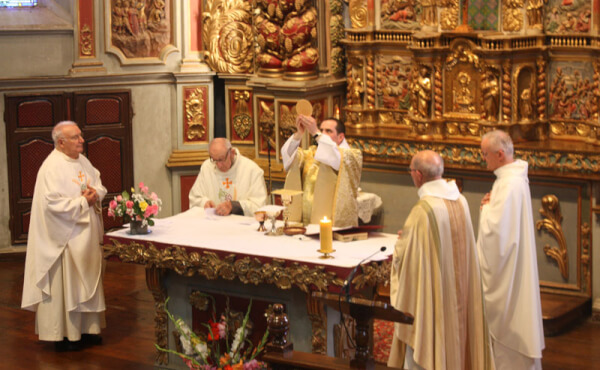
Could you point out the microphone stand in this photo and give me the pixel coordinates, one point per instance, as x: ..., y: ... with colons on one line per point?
x: 346, y: 289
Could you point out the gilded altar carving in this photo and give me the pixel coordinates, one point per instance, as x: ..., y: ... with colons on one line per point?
x: 268, y: 21
x: 154, y: 277
x: 568, y: 17
x: 585, y: 256
x: 429, y: 12
x: 552, y: 222
x: 466, y: 156
x: 210, y: 266
x: 491, y: 95
x: 318, y: 319
x: 242, y: 121
x: 266, y: 124
x: 438, y: 92
x: 370, y: 85
x: 355, y: 87
x: 541, y: 88
x: 195, y: 106
x: 392, y: 84
x: 227, y: 36
x: 512, y: 16
x: 506, y: 92
x: 298, y: 37
x: 535, y: 14
x: 421, y: 92
x: 399, y: 15
x: 359, y: 13
x: 572, y: 92
x: 449, y: 14
x: 86, y: 40
x: 462, y: 82
x: 337, y: 34
x: 140, y: 28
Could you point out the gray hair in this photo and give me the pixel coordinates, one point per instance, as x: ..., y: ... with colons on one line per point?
x: 57, y: 132
x: 430, y: 164
x: 499, y: 140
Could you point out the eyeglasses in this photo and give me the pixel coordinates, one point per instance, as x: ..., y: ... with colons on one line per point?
x: 222, y: 159
x: 411, y: 170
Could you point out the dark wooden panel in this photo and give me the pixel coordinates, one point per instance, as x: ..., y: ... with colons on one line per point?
x: 105, y: 154
x: 99, y: 111
x: 31, y: 157
x: 35, y: 113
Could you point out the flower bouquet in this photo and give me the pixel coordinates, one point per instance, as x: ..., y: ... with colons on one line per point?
x: 223, y: 346
x: 138, y: 209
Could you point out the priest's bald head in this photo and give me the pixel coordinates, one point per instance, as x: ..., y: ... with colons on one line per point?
x: 68, y: 139
x: 426, y: 166
x: 496, y: 149
x: 221, y: 153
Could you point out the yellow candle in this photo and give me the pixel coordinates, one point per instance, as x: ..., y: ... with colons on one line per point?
x: 326, y: 236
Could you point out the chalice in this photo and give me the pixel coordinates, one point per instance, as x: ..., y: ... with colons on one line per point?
x: 272, y: 212
x: 261, y: 216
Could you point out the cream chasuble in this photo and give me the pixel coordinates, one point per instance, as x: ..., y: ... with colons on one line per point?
x: 243, y: 182
x: 507, y: 254
x: 326, y: 192
x: 64, y: 229
x: 435, y: 278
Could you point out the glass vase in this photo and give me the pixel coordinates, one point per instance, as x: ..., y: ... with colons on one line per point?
x: 136, y: 228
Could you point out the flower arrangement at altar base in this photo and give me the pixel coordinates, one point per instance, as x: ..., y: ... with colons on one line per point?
x: 140, y: 206
x: 224, y: 345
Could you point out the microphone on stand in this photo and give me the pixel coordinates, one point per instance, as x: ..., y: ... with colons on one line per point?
x: 348, y: 281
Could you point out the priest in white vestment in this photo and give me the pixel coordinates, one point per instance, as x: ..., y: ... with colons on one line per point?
x: 435, y: 278
x: 507, y: 254
x: 229, y: 182
x: 328, y: 173
x: 64, y: 263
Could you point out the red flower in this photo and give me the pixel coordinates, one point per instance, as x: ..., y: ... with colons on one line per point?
x: 214, y: 330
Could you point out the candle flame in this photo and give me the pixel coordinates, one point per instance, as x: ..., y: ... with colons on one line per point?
x: 324, y: 219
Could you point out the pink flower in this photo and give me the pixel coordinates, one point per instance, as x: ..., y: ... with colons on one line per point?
x: 153, y: 196
x: 141, y: 185
x: 129, y: 204
x: 151, y: 210
x: 111, y: 213
x: 112, y: 205
x: 144, y: 189
x: 119, y: 198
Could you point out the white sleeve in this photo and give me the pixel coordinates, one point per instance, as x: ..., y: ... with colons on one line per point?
x: 198, y: 194
x: 328, y: 152
x: 288, y: 151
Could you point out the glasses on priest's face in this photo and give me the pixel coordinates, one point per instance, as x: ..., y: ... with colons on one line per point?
x: 221, y: 160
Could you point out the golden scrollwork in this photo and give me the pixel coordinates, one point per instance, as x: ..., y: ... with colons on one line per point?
x: 209, y: 265
x: 552, y: 223
x: 194, y: 112
x: 506, y: 92
x: 266, y: 123
x: 86, y: 39
x: 227, y: 35
x: 359, y: 13
x: 242, y: 122
x: 373, y: 274
x: 154, y: 277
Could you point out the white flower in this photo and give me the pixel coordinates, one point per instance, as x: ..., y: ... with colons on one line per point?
x: 186, y: 343
x: 237, y: 342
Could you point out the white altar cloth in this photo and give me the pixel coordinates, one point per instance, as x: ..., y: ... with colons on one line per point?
x: 238, y: 235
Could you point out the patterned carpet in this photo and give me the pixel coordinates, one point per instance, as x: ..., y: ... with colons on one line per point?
x: 382, y: 340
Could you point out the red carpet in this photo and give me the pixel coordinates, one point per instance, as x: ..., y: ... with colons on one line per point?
x: 382, y: 340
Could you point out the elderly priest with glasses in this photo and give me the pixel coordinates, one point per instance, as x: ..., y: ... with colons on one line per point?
x: 229, y: 182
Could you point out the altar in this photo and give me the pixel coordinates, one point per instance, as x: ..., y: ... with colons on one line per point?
x: 227, y: 255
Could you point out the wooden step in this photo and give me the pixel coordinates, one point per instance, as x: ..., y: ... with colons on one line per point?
x: 305, y: 360
x: 561, y: 313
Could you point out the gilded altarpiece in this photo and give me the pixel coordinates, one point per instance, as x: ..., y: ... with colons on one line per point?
x: 426, y: 77
x: 266, y: 125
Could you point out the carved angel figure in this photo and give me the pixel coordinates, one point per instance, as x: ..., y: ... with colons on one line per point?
x: 490, y: 96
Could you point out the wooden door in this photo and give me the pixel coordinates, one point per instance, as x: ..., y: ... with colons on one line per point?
x: 105, y: 120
